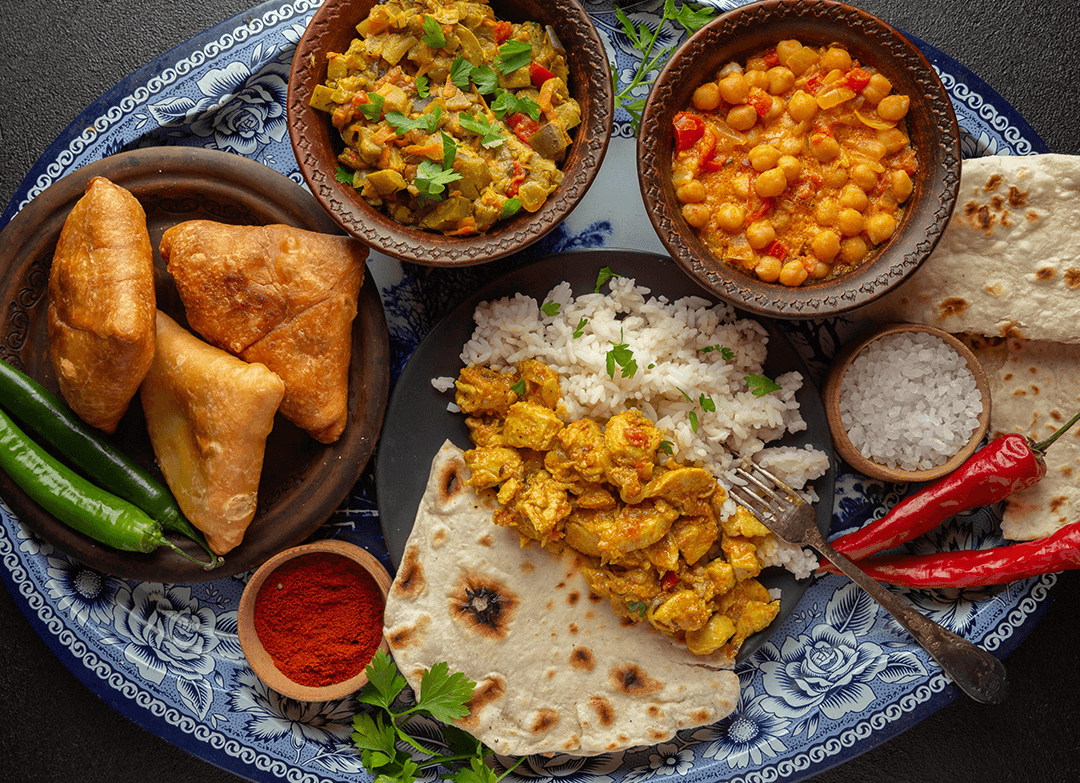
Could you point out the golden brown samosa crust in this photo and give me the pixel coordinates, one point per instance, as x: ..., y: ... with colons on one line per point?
x: 278, y: 295
x: 209, y: 414
x: 102, y: 304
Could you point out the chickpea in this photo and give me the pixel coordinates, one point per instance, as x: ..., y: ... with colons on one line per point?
x: 791, y: 166
x: 680, y: 177
x: 801, y: 60
x: 873, y: 148
x: 734, y: 88
x: 728, y: 69
x: 781, y: 79
x: 760, y: 234
x: 730, y: 217
x: 740, y: 185
x: 793, y: 274
x: 835, y: 176
x: 697, y: 215
x: 853, y: 250
x: 820, y: 270
x: 692, y: 192
x: 768, y: 269
x: 850, y: 222
x: 854, y: 197
x: 901, y: 185
x: 835, y: 57
x: 756, y: 64
x: 706, y: 97
x: 876, y: 89
x: 864, y: 176
x: 824, y: 148
x: 802, y: 106
x: 786, y: 48
x: 892, y: 139
x: 893, y: 108
x: 757, y: 78
x: 825, y: 244
x: 763, y: 157
x: 742, y: 118
x: 880, y: 227
x: 826, y: 212
x: 776, y: 109
x: 771, y: 183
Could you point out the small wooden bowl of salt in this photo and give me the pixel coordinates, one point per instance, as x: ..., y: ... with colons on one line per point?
x: 906, y: 403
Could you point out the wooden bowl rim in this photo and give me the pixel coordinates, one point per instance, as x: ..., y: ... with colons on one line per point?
x: 831, y: 397
x: 257, y: 656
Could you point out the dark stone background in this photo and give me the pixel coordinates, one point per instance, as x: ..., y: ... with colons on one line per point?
x: 57, y: 57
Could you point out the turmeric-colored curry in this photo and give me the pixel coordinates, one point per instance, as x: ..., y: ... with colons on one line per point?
x: 657, y: 545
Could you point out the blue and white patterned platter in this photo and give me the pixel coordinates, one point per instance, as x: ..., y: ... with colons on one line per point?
x: 837, y: 678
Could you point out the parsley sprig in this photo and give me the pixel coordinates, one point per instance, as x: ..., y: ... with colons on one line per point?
x: 761, y: 385
x: 644, y: 40
x: 621, y: 354
x: 706, y: 403
x: 443, y: 696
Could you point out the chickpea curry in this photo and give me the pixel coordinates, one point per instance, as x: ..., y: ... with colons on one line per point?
x: 452, y: 119
x: 795, y: 167
x: 652, y: 532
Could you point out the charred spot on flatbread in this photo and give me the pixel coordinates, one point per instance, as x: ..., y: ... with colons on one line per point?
x: 573, y: 628
x: 951, y: 306
x: 582, y: 658
x: 654, y: 711
x: 702, y: 715
x: 605, y: 713
x: 544, y: 720
x: 633, y: 680
x: 488, y: 691
x: 658, y: 736
x: 1072, y: 278
x: 483, y: 605
x: 1032, y: 216
x: 573, y: 597
x: 992, y: 183
x: 1045, y: 273
x: 410, y: 582
x: 404, y: 636
x: 451, y: 482
x: 1017, y: 197
x: 486, y: 540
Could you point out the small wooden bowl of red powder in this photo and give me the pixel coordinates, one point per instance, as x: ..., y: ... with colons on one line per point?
x: 311, y: 619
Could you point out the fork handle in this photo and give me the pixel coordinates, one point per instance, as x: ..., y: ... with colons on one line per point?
x: 974, y: 670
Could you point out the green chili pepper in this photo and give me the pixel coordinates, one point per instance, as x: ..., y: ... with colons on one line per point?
x: 73, y: 500
x: 47, y: 415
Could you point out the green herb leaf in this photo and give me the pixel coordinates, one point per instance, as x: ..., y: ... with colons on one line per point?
x: 684, y: 394
x: 620, y: 354
x: 343, y: 175
x: 432, y: 179
x: 692, y: 19
x: 518, y: 388
x: 605, y: 275
x: 476, y: 772
x: 580, y: 328
x: 427, y: 122
x: 760, y: 385
x: 693, y: 421
x: 449, y: 151
x: 444, y: 694
x: 510, y: 208
x: 725, y: 353
x: 707, y: 404
x: 485, y: 79
x: 550, y: 308
x: 513, y: 55
x: 421, y: 83
x: 460, y: 71
x: 637, y: 607
x: 372, y: 732
x: 373, y: 108
x: 506, y: 103
x: 384, y: 682
x: 434, y: 35
x: 490, y: 135
x: 666, y: 447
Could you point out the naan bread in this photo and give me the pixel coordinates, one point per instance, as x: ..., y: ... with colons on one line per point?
x: 208, y: 414
x: 1008, y: 264
x: 101, y: 304
x: 278, y: 295
x: 1034, y: 389
x: 556, y: 669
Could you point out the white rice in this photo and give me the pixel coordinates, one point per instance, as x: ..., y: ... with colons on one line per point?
x: 909, y: 401
x: 673, y: 374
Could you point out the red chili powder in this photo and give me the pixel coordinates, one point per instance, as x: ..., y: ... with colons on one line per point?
x: 320, y: 618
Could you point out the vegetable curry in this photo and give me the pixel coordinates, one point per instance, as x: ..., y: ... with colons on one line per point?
x: 452, y: 119
x: 795, y: 167
x: 656, y: 542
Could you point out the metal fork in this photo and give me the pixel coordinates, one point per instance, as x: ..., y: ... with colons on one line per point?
x: 975, y: 671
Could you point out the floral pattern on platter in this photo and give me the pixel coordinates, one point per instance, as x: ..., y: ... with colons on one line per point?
x: 837, y: 677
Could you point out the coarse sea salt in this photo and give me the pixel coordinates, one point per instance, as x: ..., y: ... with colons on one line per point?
x: 909, y: 401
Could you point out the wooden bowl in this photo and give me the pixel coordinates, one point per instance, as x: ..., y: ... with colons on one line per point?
x: 843, y: 445
x: 316, y: 143
x: 931, y: 124
x: 257, y: 656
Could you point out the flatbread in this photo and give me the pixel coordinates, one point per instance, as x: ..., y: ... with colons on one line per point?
x: 1034, y: 389
x: 280, y: 296
x: 101, y: 304
x: 557, y: 671
x: 1008, y: 264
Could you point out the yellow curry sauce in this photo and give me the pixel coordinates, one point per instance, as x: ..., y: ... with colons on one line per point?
x: 657, y: 546
x: 796, y: 166
x: 452, y: 119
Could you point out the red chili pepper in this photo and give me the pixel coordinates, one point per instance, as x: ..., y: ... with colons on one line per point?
x: 1002, y: 468
x: 515, y: 180
x: 813, y: 84
x: 760, y: 100
x: 503, y: 30
x: 669, y: 580
x: 857, y: 78
x: 999, y: 565
x: 689, y: 128
x: 777, y: 249
x: 538, y: 74
x: 523, y: 125
x: 771, y: 59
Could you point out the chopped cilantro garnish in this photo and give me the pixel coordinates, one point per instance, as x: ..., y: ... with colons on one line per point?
x: 666, y: 447
x: 506, y: 103
x: 760, y: 385
x: 621, y: 355
x: 460, y: 71
x: 605, y: 275
x: 432, y: 179
x: 707, y: 404
x: 490, y: 135
x: 485, y: 79
x: 510, y: 207
x: 421, y: 83
x: 513, y: 55
x: 725, y: 353
x: 518, y: 388
x: 449, y: 151
x: 426, y: 122
x: 693, y: 421
x: 373, y: 108
x: 551, y: 308
x: 637, y: 607
x: 433, y: 33
x: 580, y: 328
x: 343, y: 175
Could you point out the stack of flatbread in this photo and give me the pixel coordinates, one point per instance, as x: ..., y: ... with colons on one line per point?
x: 1006, y: 276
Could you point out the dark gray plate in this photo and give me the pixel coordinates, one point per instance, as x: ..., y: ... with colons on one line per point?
x: 417, y: 421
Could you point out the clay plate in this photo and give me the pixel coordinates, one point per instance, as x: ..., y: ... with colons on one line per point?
x: 316, y: 143
x: 303, y: 481
x: 931, y: 124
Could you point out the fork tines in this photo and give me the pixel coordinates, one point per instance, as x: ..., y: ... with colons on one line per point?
x: 768, y: 495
